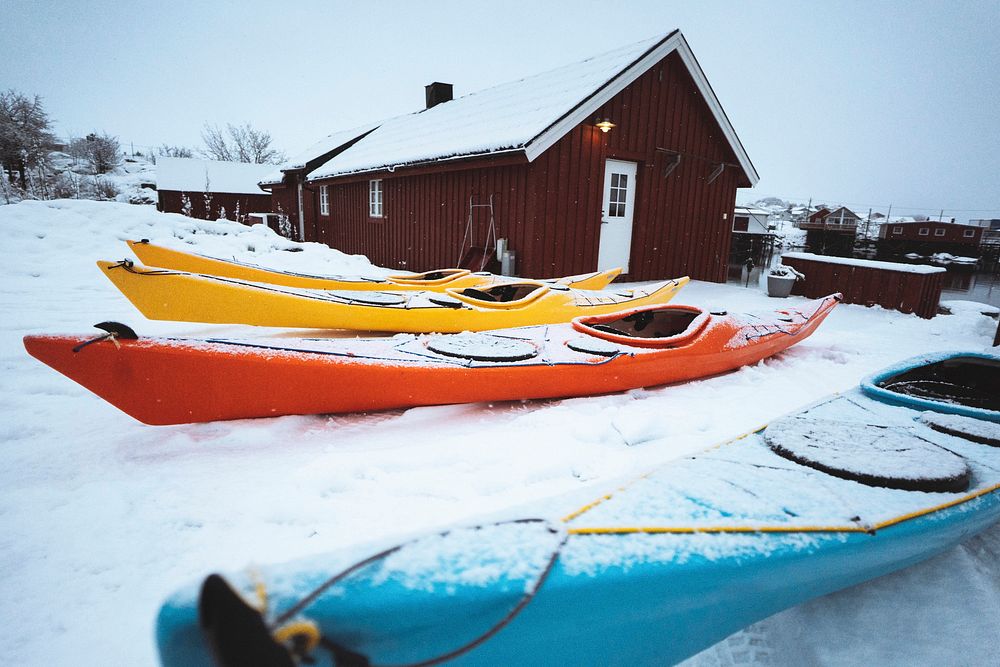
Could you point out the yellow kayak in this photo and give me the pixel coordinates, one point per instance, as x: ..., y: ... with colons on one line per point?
x: 151, y: 254
x: 162, y: 294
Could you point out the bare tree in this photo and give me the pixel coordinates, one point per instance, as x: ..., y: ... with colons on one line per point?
x: 25, y: 137
x: 78, y: 150
x: 174, y: 151
x: 240, y: 143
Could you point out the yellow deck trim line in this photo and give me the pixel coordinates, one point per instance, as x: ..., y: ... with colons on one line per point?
x: 853, y: 528
x: 688, y: 530
x: 589, y: 506
x: 936, y: 508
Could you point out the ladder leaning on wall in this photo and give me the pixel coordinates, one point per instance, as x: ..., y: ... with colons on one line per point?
x: 472, y: 256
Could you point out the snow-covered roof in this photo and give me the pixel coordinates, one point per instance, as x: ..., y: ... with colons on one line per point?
x: 325, y: 145
x: 866, y: 263
x: 191, y: 175
x: 525, y: 116
x: 752, y: 210
x: 845, y: 209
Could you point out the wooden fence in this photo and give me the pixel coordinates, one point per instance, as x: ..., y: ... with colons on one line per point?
x: 908, y: 288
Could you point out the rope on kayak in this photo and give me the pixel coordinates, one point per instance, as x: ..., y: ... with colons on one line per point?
x: 115, y: 330
x: 129, y: 266
x: 343, y: 657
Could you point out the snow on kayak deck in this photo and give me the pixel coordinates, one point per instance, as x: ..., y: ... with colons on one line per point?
x: 982, y: 431
x: 746, y: 485
x: 102, y: 517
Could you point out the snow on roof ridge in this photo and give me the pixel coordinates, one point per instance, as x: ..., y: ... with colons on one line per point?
x: 328, y: 143
x: 628, y: 47
x: 490, y: 120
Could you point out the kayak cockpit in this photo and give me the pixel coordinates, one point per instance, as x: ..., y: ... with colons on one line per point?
x: 970, y: 381
x: 510, y: 295
x: 430, y: 278
x: 658, y: 326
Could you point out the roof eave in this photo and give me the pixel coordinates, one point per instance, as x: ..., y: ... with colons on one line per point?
x: 672, y: 42
x: 317, y: 161
x: 453, y: 159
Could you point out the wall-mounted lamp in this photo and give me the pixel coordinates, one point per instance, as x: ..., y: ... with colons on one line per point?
x: 604, y: 125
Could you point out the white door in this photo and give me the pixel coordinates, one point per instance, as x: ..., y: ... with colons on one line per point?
x: 615, y: 245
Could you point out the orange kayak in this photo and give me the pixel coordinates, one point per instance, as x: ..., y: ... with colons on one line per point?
x: 177, y: 381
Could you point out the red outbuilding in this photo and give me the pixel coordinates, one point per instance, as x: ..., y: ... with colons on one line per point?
x: 210, y: 189
x: 932, y: 233
x: 624, y: 159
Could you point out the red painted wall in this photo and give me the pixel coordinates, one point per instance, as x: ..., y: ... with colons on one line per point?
x: 172, y: 201
x: 550, y: 209
x: 953, y: 233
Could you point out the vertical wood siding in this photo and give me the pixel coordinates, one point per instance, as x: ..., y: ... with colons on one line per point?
x: 550, y: 210
x: 897, y: 290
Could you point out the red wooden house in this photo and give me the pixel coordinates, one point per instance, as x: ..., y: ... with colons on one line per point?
x: 840, y: 219
x: 930, y: 236
x: 210, y: 189
x: 624, y: 159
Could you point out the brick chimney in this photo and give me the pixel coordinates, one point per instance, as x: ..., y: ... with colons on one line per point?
x: 437, y: 92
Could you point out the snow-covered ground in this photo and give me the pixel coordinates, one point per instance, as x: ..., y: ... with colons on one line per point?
x: 101, y: 517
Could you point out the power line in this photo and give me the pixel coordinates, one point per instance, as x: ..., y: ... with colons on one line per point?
x: 899, y: 207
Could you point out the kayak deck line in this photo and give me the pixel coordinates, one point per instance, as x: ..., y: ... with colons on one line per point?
x: 198, y: 297
x: 688, y: 530
x: 303, y: 636
x: 591, y: 505
x: 987, y: 467
x: 415, y: 356
x: 243, y: 378
x: 152, y: 254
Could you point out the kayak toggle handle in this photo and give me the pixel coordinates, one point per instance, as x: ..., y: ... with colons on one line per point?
x: 115, y: 330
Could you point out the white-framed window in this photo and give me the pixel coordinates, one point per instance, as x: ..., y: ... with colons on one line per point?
x: 924, y: 231
x: 619, y: 191
x: 969, y: 233
x: 375, y: 198
x: 939, y: 231
x: 324, y: 200
x: 898, y: 229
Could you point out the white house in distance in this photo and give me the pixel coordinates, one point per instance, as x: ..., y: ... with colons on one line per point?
x: 750, y: 220
x: 209, y: 189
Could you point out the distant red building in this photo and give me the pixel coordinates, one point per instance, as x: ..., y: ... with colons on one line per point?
x: 931, y: 235
x: 209, y: 189
x: 625, y: 159
x: 840, y: 219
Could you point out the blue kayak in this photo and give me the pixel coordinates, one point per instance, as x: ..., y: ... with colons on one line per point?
x: 850, y: 488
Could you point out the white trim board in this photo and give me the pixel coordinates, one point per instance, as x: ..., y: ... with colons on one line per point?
x: 673, y: 42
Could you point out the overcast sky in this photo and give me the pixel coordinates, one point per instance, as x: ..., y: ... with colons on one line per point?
x: 862, y: 103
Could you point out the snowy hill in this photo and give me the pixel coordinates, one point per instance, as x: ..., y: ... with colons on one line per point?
x: 101, y: 517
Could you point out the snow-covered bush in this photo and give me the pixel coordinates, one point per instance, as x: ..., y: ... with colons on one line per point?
x: 103, y: 152
x: 104, y: 189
